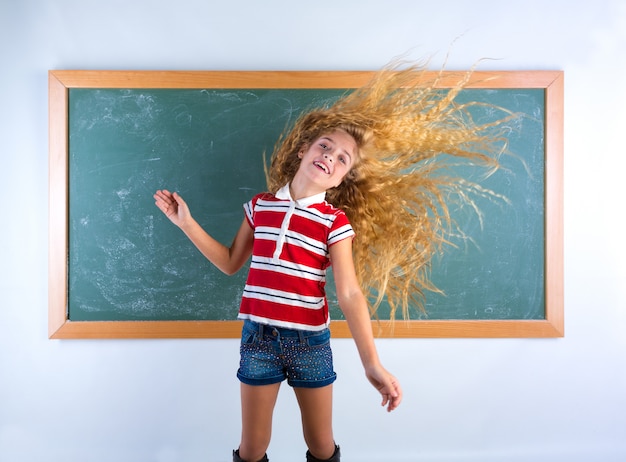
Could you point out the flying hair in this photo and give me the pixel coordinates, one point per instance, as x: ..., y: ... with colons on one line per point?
x: 411, y: 137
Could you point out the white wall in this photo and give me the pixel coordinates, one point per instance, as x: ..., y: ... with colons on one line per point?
x: 466, y: 400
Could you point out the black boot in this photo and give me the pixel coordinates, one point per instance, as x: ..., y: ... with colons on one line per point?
x: 236, y: 457
x: 336, y: 457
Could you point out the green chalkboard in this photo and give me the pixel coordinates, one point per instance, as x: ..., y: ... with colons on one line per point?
x: 128, y: 262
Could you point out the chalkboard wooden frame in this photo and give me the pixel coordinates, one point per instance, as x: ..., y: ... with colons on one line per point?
x: 60, y: 81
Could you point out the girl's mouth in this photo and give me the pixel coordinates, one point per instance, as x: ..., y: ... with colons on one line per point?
x: 322, y: 167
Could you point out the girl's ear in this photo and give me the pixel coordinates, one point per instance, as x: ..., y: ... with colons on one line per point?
x: 302, y: 150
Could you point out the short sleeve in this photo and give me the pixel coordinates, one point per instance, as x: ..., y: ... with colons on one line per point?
x: 248, y: 209
x: 341, y: 229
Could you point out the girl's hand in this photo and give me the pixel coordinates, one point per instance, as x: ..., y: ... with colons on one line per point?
x: 173, y: 206
x: 387, y: 385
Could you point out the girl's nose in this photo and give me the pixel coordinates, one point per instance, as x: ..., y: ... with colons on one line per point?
x: 328, y: 156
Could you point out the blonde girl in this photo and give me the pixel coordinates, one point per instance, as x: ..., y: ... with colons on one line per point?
x: 358, y: 186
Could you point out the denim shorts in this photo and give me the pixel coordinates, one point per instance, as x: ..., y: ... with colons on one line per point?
x: 272, y: 354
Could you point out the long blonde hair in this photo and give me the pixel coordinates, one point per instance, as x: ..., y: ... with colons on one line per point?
x: 409, y: 134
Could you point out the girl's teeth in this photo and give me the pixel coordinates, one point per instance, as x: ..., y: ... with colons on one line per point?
x: 322, y: 166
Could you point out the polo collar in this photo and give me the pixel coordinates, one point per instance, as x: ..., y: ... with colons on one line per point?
x: 284, y: 194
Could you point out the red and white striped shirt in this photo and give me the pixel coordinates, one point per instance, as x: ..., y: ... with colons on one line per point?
x: 285, y: 285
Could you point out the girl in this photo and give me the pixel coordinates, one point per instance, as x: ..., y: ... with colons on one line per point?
x: 364, y: 169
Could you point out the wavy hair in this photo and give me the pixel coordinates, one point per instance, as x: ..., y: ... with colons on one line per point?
x: 411, y: 137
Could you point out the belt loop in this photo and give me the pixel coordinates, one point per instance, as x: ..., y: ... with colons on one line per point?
x: 260, y: 330
x: 301, y: 336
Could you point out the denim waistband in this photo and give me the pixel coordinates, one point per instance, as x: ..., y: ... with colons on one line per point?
x: 275, y: 331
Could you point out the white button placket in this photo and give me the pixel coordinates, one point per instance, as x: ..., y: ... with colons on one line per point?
x: 283, y: 231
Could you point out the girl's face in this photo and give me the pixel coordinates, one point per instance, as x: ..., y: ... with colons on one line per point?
x: 329, y: 159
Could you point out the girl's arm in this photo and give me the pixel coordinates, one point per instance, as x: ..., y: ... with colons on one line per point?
x: 354, y: 307
x: 227, y: 259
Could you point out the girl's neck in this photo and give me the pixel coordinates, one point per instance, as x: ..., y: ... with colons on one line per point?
x: 302, y: 189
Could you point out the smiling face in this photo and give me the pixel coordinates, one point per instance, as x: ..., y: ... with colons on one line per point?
x: 327, y: 160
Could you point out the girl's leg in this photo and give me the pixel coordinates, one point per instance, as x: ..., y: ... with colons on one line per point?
x: 257, y: 407
x: 316, y: 407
